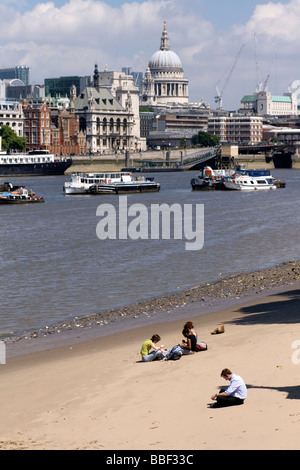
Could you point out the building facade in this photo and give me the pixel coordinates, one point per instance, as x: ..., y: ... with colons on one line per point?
x: 37, y: 126
x: 107, y: 121
x: 164, y: 81
x: 240, y: 129
x: 137, y: 77
x: 121, y: 85
x: 60, y: 86
x: 20, y: 71
x: 264, y: 103
x: 11, y: 114
x: 66, y: 139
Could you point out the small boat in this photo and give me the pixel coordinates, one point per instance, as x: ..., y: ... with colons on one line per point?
x: 108, y: 183
x: 209, y: 179
x: 19, y: 195
x: 250, y: 180
x: 279, y: 183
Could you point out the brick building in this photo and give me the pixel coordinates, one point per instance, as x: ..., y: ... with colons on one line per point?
x: 66, y: 139
x: 53, y: 129
x: 37, y: 126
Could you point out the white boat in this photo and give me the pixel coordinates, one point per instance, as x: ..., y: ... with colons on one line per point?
x: 34, y: 163
x: 80, y: 183
x: 209, y: 179
x: 138, y: 185
x: 107, y: 183
x: 250, y: 180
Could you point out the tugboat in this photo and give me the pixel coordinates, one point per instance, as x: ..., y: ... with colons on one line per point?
x: 18, y: 195
x: 209, y: 179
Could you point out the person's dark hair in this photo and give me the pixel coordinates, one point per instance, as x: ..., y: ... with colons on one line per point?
x: 188, y: 325
x: 185, y: 331
x: 226, y: 372
x: 155, y: 338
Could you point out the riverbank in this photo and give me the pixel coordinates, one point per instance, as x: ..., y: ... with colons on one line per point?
x: 198, y: 300
x: 96, y: 394
x: 117, y: 162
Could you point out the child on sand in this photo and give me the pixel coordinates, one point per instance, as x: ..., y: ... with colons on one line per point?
x: 156, y: 354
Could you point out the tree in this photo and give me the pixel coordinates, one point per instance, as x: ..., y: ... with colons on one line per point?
x: 182, y: 142
x: 205, y: 140
x: 10, y: 140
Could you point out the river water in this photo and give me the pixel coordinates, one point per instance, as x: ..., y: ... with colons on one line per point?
x: 54, y: 267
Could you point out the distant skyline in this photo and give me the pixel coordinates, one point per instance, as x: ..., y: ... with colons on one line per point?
x: 59, y: 37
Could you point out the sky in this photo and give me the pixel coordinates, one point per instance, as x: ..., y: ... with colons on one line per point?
x: 232, y: 44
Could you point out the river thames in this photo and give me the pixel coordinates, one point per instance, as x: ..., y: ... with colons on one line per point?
x: 54, y: 267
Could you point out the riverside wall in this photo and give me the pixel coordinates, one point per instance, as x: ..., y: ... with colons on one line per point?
x: 117, y: 162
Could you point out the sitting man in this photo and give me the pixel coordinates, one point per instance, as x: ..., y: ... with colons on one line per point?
x: 235, y: 394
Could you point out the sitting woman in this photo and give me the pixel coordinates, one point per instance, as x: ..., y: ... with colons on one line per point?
x: 189, y: 325
x: 188, y: 346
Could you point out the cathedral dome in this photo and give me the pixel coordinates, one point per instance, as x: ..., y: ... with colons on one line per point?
x: 164, y: 82
x: 165, y: 59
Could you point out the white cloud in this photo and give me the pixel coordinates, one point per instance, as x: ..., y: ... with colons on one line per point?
x: 276, y: 21
x: 70, y: 39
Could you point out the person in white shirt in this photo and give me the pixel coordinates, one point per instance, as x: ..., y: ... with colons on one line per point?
x: 235, y: 394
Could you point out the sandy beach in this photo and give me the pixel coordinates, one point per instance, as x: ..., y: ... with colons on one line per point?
x: 96, y: 394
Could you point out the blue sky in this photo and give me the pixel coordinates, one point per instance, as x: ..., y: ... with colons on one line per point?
x: 62, y: 37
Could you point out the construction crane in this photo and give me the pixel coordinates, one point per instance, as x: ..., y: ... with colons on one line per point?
x: 219, y: 96
x: 261, y: 86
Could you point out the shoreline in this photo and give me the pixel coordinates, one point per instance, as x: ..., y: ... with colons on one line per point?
x: 197, y: 300
x: 98, y: 395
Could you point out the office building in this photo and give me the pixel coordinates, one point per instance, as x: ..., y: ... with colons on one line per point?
x: 20, y: 71
x: 60, y: 86
x: 238, y: 129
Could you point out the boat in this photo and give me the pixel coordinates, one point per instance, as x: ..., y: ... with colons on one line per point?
x: 18, y: 195
x: 80, y: 183
x: 279, y: 183
x: 34, y: 163
x: 250, y: 180
x: 108, y: 183
x: 209, y: 179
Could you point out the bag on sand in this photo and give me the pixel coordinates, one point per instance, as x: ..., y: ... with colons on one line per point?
x: 218, y: 330
x: 202, y: 346
x: 174, y: 354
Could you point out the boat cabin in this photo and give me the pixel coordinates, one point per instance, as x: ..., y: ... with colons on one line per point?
x: 96, y: 178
